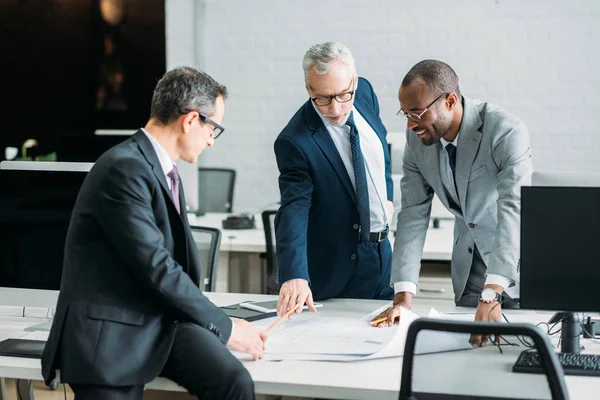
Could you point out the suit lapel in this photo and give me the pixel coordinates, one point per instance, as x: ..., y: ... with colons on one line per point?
x: 323, y: 139
x: 150, y: 154
x: 431, y: 155
x: 468, y: 146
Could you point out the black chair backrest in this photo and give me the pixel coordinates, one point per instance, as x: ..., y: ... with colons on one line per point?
x: 550, y: 363
x: 208, y: 242
x: 215, y: 189
x: 272, y: 278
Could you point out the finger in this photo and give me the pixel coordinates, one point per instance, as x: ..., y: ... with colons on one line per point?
x: 310, y: 303
x: 302, y: 298
x: 283, y: 299
x: 484, y: 340
x: 474, y: 340
x: 289, y: 301
x: 264, y: 335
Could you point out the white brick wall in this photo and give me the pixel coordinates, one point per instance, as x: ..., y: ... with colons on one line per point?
x: 538, y: 58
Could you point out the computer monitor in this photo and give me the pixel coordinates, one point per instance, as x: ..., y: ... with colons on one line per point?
x: 36, y: 201
x: 560, y: 263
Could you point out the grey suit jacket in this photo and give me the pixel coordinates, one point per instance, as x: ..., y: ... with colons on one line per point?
x: 493, y: 161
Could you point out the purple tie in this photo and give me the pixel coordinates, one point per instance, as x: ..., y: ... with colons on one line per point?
x: 175, y: 187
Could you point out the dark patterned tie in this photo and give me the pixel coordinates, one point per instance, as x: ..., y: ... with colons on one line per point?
x: 175, y: 187
x: 451, y: 149
x: 360, y: 180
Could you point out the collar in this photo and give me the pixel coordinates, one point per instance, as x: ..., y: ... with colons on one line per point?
x: 163, y: 157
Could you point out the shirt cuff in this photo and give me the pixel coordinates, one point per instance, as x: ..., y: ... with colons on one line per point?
x: 493, y: 279
x: 405, y: 287
x: 232, y: 327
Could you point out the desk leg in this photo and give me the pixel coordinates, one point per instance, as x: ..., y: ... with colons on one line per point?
x: 25, y: 389
x: 3, y: 395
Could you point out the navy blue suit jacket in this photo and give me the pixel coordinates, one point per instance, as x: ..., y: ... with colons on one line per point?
x: 314, y: 227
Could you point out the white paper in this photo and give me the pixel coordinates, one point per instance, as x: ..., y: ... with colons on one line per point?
x: 317, y: 338
x: 309, y: 333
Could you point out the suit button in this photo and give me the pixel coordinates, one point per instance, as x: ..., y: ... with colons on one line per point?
x: 470, y: 250
x: 353, y: 256
x: 355, y: 226
x: 471, y: 225
x: 211, y: 327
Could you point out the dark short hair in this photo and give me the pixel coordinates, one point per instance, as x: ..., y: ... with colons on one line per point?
x: 182, y: 90
x: 439, y: 76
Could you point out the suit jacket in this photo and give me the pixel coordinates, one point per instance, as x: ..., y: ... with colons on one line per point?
x: 316, y: 225
x: 493, y: 161
x: 130, y: 272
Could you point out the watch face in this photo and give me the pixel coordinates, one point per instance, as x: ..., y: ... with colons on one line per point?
x: 488, y: 295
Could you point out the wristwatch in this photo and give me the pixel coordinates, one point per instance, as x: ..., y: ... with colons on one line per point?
x: 489, y: 295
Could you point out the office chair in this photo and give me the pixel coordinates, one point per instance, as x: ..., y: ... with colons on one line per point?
x: 215, y: 190
x: 550, y: 363
x: 271, y: 280
x: 208, y: 242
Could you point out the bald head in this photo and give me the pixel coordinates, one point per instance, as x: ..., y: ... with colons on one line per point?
x: 439, y: 77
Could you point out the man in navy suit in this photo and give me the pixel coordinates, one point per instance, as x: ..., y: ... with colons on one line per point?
x: 336, y: 188
x: 130, y: 307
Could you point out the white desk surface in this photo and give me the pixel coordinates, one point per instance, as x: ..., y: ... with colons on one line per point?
x: 470, y: 371
x: 438, y: 244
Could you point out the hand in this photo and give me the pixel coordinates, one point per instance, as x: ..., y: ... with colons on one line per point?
x: 247, y: 338
x: 292, y: 292
x: 403, y: 299
x: 491, y: 312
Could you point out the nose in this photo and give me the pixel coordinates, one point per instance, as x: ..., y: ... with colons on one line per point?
x: 334, y: 108
x: 410, y: 124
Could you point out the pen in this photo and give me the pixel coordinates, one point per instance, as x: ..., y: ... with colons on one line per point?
x: 377, y: 321
x: 287, y: 314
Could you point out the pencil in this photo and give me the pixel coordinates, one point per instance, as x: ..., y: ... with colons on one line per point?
x: 377, y: 321
x: 284, y: 316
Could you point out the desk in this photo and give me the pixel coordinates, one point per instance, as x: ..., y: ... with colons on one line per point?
x: 239, y: 263
x: 457, y: 372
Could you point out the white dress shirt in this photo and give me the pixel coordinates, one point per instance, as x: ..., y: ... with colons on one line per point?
x: 448, y: 182
x: 372, y: 150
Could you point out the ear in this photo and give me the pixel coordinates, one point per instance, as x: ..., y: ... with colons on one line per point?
x: 187, y: 120
x: 451, y: 101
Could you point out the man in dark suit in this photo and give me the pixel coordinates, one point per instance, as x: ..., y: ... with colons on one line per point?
x: 336, y: 188
x: 130, y: 307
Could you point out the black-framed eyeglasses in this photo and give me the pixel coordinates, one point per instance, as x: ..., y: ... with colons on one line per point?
x: 218, y: 129
x: 417, y: 117
x: 340, y: 98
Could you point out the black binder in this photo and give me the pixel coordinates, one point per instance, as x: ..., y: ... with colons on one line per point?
x: 235, y: 311
x: 22, y: 348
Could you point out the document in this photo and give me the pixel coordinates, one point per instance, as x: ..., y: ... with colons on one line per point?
x: 316, y: 337
x: 309, y: 333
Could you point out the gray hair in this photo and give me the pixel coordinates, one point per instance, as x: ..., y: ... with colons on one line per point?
x: 182, y: 90
x: 321, y: 55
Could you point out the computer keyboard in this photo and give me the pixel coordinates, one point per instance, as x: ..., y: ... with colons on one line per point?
x: 573, y: 364
x: 36, y: 335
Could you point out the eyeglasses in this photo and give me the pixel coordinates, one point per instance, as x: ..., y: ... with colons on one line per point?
x: 217, y: 131
x: 417, y: 117
x: 340, y: 98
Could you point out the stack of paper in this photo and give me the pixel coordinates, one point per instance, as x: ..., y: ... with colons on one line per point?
x: 315, y: 337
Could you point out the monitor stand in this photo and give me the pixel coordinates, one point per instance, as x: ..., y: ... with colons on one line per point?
x: 570, y: 331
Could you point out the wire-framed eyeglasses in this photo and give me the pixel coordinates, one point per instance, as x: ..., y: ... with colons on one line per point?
x: 417, y: 117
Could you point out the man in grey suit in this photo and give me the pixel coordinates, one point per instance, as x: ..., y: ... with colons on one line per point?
x: 475, y: 156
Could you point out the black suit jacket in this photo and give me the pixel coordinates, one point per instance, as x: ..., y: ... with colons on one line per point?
x: 131, y: 271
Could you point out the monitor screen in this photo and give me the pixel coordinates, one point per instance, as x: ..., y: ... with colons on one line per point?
x: 35, y: 210
x: 560, y: 227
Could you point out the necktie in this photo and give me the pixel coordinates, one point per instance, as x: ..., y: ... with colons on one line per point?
x: 360, y: 180
x: 175, y: 187
x: 451, y: 149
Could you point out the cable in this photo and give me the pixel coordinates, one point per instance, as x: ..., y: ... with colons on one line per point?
x: 19, y: 387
